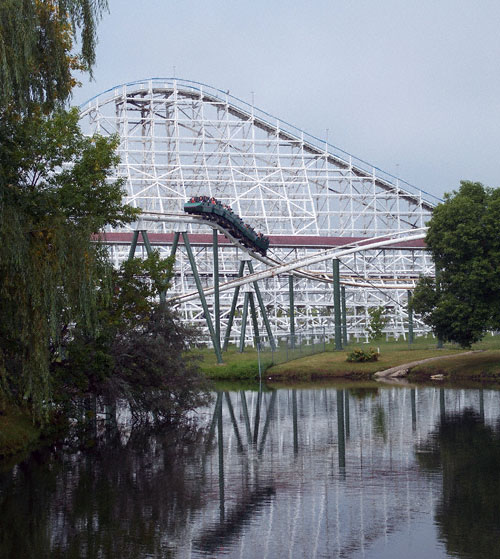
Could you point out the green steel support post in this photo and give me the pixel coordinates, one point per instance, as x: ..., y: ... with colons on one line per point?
x: 147, y: 244
x: 410, y: 319
x: 202, y: 297
x: 133, y: 245
x: 336, y: 305
x: 216, y: 285
x: 292, y: 309
x: 255, y: 324
x: 175, y: 243
x: 233, y: 308
x: 344, y: 316
x: 263, y: 310
x: 244, y: 323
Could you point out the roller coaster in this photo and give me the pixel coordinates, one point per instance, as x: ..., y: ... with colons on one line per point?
x: 213, y: 210
x: 183, y: 140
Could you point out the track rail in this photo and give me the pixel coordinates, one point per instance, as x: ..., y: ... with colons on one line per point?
x: 277, y: 267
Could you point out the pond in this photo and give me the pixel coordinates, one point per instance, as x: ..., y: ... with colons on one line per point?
x: 345, y: 471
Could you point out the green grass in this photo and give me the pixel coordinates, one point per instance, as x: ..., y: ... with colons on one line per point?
x: 236, y: 366
x: 332, y: 364
x: 476, y: 366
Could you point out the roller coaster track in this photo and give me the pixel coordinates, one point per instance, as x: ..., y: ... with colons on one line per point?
x: 277, y: 267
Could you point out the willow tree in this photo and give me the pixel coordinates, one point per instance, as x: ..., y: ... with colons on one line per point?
x: 57, y: 193
x: 37, y: 54
x: 54, y: 189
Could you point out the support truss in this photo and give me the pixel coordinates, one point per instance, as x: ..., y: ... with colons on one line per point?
x: 180, y: 139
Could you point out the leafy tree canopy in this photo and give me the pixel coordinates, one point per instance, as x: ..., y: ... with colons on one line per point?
x: 55, y: 192
x: 464, y: 240
x: 136, y: 354
x: 37, y: 57
x: 72, y: 326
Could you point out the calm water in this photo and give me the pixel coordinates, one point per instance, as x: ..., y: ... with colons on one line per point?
x: 377, y: 472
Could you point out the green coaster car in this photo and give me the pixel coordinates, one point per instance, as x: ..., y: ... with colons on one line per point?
x: 213, y: 210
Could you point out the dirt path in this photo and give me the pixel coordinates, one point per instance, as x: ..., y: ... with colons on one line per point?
x: 402, y: 370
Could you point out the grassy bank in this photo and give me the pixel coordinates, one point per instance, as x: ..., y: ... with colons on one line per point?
x: 330, y: 365
x: 483, y: 366
x: 236, y: 366
x: 333, y: 364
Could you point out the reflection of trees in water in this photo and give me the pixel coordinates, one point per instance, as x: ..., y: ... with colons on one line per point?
x: 364, y: 392
x: 111, y: 502
x: 468, y: 453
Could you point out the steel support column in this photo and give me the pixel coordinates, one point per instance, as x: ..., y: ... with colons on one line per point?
x: 262, y: 309
x: 244, y: 323
x: 344, y: 316
x: 216, y: 286
x: 254, y: 320
x: 233, y: 308
x: 133, y: 245
x: 292, y: 310
x: 336, y: 304
x: 196, y: 276
x: 147, y: 244
x: 410, y: 319
x: 175, y: 243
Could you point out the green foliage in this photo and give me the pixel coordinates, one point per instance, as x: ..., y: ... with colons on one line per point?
x: 137, y: 351
x: 72, y: 327
x: 36, y: 49
x: 378, y: 320
x: 55, y: 193
x: 359, y: 355
x: 465, y: 245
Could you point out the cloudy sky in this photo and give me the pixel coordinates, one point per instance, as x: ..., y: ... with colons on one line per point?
x: 413, y: 87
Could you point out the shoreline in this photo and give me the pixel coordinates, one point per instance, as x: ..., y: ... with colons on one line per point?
x: 18, y: 434
x: 403, y: 370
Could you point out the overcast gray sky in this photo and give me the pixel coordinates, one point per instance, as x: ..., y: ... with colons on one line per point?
x: 410, y: 86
